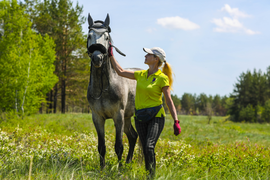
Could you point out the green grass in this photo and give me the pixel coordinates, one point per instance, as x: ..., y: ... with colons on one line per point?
x: 65, y: 147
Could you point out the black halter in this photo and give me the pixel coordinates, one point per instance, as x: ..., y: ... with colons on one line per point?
x: 98, y: 26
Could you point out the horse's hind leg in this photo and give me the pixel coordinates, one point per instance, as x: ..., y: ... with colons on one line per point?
x: 99, y: 124
x: 132, y: 138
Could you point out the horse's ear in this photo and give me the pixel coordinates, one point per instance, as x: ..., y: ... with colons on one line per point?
x: 107, y: 21
x: 90, y: 20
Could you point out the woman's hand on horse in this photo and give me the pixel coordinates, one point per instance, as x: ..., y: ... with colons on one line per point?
x: 110, y: 50
x: 119, y: 70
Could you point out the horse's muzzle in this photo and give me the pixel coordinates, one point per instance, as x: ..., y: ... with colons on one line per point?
x: 97, y: 47
x: 97, y: 59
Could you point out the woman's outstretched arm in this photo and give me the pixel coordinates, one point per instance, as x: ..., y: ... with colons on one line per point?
x: 120, y: 71
x: 167, y: 94
x: 169, y: 102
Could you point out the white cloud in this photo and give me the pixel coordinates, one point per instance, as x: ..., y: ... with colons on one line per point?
x: 227, y: 25
x: 232, y: 25
x: 177, y: 23
x: 234, y: 12
x: 250, y: 32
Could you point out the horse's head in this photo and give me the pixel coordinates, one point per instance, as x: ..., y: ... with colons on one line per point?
x: 98, y: 40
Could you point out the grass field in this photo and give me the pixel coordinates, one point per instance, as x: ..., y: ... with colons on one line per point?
x: 60, y: 146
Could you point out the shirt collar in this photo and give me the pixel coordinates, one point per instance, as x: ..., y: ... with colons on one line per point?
x: 155, y: 74
x: 158, y: 72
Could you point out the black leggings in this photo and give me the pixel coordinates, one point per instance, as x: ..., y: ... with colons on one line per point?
x: 149, y: 133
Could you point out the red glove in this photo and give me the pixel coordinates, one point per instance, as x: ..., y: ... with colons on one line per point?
x: 110, y: 50
x: 176, y: 127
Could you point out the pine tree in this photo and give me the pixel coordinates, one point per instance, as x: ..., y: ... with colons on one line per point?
x: 267, y: 74
x: 63, y: 22
x: 202, y: 100
x: 217, y: 107
x: 241, y: 94
x: 249, y: 96
x: 188, y: 102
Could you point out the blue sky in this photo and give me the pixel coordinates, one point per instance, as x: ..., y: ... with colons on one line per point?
x: 209, y: 43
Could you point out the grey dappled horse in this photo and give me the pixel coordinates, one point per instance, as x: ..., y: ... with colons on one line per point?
x: 109, y: 95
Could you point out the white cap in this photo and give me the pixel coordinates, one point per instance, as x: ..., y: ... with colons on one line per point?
x: 158, y: 52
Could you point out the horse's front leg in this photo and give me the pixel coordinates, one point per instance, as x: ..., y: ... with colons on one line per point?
x: 99, y: 125
x: 119, y: 129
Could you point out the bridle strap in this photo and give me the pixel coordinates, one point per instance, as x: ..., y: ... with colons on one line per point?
x: 120, y: 52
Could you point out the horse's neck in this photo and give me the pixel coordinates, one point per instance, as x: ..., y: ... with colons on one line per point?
x: 110, y: 70
x: 106, y: 72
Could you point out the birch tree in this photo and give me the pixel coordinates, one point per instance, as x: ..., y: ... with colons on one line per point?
x: 26, y: 61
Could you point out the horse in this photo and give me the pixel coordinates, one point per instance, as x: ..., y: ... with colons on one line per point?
x: 110, y: 96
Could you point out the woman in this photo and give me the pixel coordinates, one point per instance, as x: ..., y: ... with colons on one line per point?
x: 151, y: 84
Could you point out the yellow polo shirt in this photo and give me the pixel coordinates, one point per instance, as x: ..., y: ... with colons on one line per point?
x: 149, y: 90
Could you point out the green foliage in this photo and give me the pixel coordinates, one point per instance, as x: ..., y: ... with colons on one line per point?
x: 229, y: 103
x: 188, y: 102
x: 177, y: 102
x: 266, y: 112
x: 196, y: 105
x: 63, y: 21
x: 219, y: 105
x: 26, y: 62
x: 209, y: 111
x: 247, y: 114
x: 201, y: 101
x: 251, y: 90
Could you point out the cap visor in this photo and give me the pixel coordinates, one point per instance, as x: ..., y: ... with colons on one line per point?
x: 147, y: 50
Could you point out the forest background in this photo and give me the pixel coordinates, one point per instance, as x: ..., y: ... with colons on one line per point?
x: 44, y: 68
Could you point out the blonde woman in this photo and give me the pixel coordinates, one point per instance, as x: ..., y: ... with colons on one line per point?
x: 149, y: 113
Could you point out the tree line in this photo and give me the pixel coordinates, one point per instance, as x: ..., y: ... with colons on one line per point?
x: 249, y: 101
x: 201, y: 104
x: 251, y: 97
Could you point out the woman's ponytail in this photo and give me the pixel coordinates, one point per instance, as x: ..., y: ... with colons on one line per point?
x: 167, y: 70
